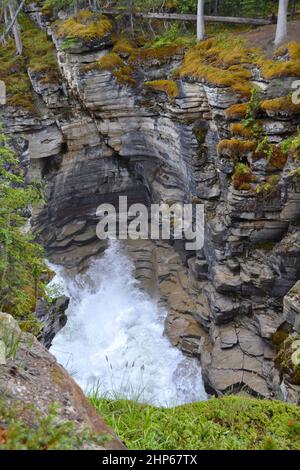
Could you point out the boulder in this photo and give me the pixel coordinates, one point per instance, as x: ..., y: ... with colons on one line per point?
x: 32, y: 376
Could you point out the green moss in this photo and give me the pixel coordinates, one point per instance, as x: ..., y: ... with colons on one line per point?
x: 269, y: 187
x: 279, y: 105
x: 291, y: 147
x: 113, y: 63
x: 110, y: 61
x: 282, y: 68
x: 230, y: 423
x: 275, y: 157
x: 169, y: 87
x: 235, y: 148
x: 38, y: 55
x: 242, y: 177
x: 236, y: 111
x: 87, y: 26
x: 221, y: 61
x: 13, y: 73
x: 155, y: 55
x: 239, y: 129
x: 123, y: 47
x: 39, y: 51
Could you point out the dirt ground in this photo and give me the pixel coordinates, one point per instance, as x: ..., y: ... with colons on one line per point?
x: 263, y: 37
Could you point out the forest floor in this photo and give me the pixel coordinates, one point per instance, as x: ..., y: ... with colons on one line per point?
x: 263, y: 37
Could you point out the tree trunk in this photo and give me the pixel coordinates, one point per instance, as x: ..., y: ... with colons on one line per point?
x: 200, y: 21
x: 281, y: 32
x: 130, y: 11
x: 14, y: 26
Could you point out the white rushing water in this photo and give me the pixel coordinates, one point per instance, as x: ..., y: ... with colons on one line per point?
x: 114, y: 340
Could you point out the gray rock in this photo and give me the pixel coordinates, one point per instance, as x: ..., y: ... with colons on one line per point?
x: 33, y: 377
x: 291, y: 307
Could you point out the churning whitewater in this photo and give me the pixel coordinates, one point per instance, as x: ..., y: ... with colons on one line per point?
x: 114, y: 339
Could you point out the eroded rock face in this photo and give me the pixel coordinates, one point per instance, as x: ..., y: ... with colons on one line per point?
x: 30, y: 375
x: 96, y: 140
x: 291, y: 307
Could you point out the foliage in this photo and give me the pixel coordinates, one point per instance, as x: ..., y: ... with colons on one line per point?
x: 174, y: 36
x: 296, y: 353
x: 242, y: 177
x: 39, y: 51
x: 21, y: 259
x: 47, y: 433
x: 253, y: 8
x: 292, y: 146
x: 288, y: 359
x: 38, y: 55
x: 269, y: 187
x: 230, y: 423
x: 252, y: 109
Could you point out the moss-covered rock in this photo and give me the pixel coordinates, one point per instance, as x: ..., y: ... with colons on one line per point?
x: 169, y: 87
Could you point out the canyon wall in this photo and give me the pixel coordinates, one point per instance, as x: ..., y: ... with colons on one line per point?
x: 93, y: 139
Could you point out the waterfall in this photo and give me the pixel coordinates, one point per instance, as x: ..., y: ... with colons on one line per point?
x: 114, y: 339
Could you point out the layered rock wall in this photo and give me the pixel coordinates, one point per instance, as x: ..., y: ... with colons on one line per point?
x: 95, y: 139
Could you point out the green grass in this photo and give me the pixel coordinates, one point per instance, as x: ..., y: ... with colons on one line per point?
x: 230, y: 423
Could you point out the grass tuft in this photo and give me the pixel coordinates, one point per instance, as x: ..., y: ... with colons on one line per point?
x: 230, y: 423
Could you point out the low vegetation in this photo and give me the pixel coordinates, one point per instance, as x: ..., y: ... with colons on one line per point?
x: 281, y: 105
x: 220, y: 61
x: 47, y: 433
x: 242, y: 177
x: 282, y: 68
x: 169, y: 87
x: 288, y: 358
x: 86, y: 26
x: 235, y: 148
x: 38, y: 55
x: 236, y: 112
x: 23, y: 273
x: 230, y: 423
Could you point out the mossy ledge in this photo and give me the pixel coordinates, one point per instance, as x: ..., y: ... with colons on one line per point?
x: 38, y: 55
x: 281, y: 105
x: 169, y: 87
x: 86, y: 26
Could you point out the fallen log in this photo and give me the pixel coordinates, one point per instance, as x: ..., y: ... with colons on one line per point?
x: 190, y: 17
